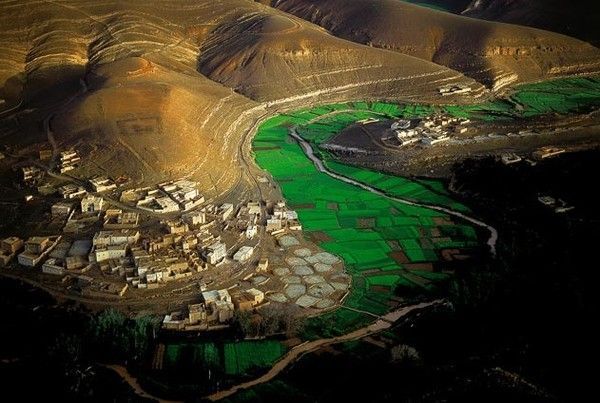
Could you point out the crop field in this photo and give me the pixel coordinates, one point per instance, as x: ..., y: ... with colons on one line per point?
x: 380, y: 239
x: 243, y: 356
x: 366, y: 230
x: 558, y: 96
x: 565, y: 95
x: 334, y: 324
x: 232, y: 358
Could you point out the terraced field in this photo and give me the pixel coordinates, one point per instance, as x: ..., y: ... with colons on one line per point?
x: 567, y: 95
x: 384, y: 243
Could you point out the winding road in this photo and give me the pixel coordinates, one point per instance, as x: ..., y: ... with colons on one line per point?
x: 134, y: 384
x: 308, y: 150
x: 381, y: 324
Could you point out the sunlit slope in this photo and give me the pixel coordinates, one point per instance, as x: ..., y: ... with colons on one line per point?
x: 119, y: 80
x: 164, y: 89
x: 154, y: 90
x: 147, y: 121
x: 275, y: 57
x: 47, y: 48
x: 493, y: 53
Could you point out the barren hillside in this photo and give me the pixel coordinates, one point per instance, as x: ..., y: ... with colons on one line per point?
x: 577, y: 19
x: 492, y: 53
x: 155, y: 90
x: 163, y: 89
x: 276, y: 58
x: 137, y: 114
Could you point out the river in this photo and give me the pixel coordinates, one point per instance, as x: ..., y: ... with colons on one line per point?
x: 308, y: 150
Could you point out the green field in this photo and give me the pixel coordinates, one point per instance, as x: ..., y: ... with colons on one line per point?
x: 231, y: 358
x: 371, y: 233
x: 559, y: 96
x: 378, y: 238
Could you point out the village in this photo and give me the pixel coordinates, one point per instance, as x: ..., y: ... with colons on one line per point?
x: 105, y: 242
x: 428, y: 131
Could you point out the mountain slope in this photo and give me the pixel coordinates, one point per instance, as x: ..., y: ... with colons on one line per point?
x: 276, y: 58
x: 577, y: 19
x: 140, y: 118
x: 492, y: 53
x: 156, y: 90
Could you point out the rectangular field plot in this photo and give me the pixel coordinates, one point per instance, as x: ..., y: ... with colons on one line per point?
x: 334, y: 324
x: 239, y: 357
x: 193, y: 355
x: 389, y: 280
x: 234, y: 358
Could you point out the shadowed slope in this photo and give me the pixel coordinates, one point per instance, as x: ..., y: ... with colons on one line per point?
x: 578, y: 19
x: 494, y: 54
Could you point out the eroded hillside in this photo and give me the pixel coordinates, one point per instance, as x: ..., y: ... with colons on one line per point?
x: 492, y: 53
x: 577, y: 19
x: 154, y: 90
x: 276, y: 58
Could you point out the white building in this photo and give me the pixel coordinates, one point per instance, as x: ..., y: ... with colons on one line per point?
x: 91, y: 204
x: 68, y: 155
x: 243, y: 254
x: 291, y: 215
x: 226, y: 210
x: 453, y: 89
x: 36, y: 249
x: 117, y: 219
x: 222, y: 311
x: 279, y: 212
x: 166, y: 205
x: 195, y: 218
x: 273, y: 224
x: 51, y: 266
x: 215, y: 252
x: 435, y: 140
x: 117, y: 237
x: 71, y: 191
x: 215, y: 295
x: 110, y: 252
x: 29, y: 259
x: 254, y: 208
x: 251, y: 231
x: 220, y: 304
x: 102, y: 184
x: 257, y: 296
x: 62, y: 208
x: 400, y: 124
x: 177, y: 227
x: 184, y: 193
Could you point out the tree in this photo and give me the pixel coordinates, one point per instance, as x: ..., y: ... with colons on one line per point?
x: 117, y: 337
x: 242, y: 323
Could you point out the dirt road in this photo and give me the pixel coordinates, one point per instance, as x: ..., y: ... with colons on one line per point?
x: 383, y: 323
x: 132, y: 381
